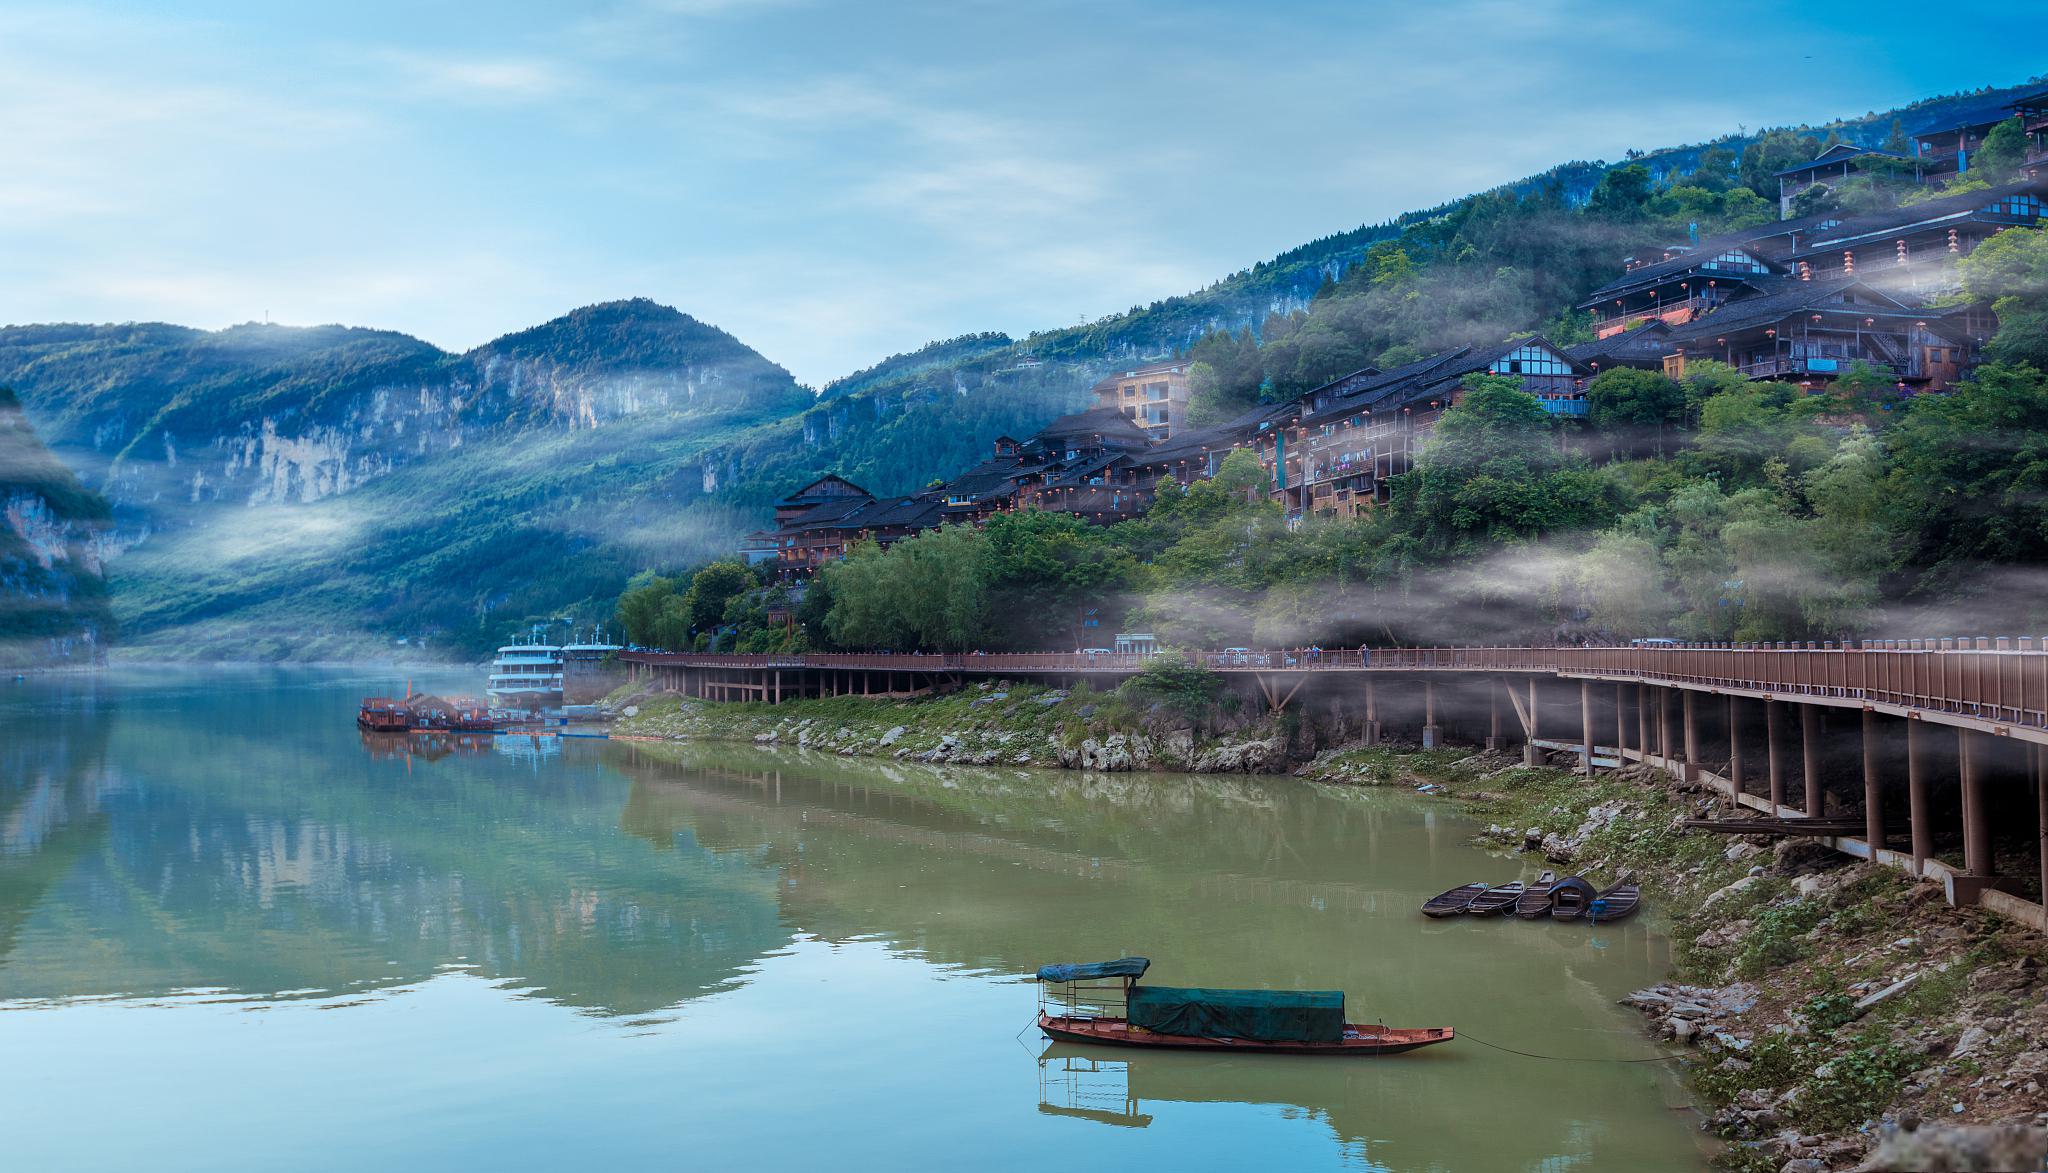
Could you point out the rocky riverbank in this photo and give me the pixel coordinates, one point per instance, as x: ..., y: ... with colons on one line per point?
x: 983, y: 725
x: 1835, y: 1015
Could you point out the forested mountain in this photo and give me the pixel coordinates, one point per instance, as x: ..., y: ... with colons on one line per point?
x: 328, y: 491
x: 53, y: 596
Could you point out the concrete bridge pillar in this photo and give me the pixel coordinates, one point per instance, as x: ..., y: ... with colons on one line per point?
x: 1916, y: 798
x: 1774, y: 751
x: 1690, y: 768
x: 1531, y: 754
x: 1809, y: 752
x: 1978, y: 861
x: 1372, y: 714
x: 1586, y: 727
x: 1873, y: 785
x: 1432, y: 737
x: 1735, y: 744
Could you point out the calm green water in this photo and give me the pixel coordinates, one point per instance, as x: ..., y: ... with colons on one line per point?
x: 235, y: 934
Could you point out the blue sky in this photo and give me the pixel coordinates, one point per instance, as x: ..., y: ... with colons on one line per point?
x: 836, y: 182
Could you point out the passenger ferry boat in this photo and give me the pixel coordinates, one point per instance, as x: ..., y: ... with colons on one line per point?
x: 526, y: 676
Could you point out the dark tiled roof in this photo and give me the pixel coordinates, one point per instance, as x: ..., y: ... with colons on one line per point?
x: 824, y: 514
x: 1917, y: 215
x: 1763, y: 311
x: 1643, y: 344
x: 1682, y: 265
x: 1837, y: 155
x: 804, y: 495
x: 1107, y: 422
x: 1979, y: 114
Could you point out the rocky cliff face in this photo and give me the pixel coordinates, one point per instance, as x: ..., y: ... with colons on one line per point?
x: 54, y: 542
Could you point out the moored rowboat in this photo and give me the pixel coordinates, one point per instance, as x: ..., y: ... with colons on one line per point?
x: 1495, y: 901
x: 1359, y: 1038
x: 1535, y: 901
x: 1453, y: 902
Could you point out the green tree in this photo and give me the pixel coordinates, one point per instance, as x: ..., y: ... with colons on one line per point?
x: 1634, y: 402
x: 2004, y: 149
x: 711, y: 589
x: 1622, y: 193
x: 2010, y: 271
x: 640, y: 605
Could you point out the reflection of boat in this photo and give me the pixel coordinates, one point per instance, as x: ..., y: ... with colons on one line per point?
x: 1453, y: 902
x: 427, y: 744
x: 1270, y: 1022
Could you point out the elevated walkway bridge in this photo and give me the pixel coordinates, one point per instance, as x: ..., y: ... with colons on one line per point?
x: 1953, y: 730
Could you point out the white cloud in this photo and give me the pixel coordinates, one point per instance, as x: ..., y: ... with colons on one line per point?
x: 478, y: 79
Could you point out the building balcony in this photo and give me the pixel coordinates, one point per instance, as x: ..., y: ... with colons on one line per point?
x: 1827, y: 366
x: 1675, y: 312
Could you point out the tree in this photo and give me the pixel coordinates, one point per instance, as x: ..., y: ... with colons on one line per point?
x: 640, y: 606
x: 1626, y: 399
x: 2010, y: 271
x: 711, y: 589
x: 2004, y: 149
x: 1896, y: 142
x: 1622, y: 193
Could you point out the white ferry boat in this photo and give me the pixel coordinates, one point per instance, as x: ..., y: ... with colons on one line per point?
x: 526, y: 676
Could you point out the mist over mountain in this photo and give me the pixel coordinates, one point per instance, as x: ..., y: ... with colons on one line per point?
x: 53, y: 593
x: 328, y: 492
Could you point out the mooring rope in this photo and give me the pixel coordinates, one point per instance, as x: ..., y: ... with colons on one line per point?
x: 1566, y: 1058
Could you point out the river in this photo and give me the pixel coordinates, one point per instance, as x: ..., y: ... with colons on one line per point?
x: 235, y: 933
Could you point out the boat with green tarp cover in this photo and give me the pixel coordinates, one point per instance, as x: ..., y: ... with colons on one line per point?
x: 1103, y: 1003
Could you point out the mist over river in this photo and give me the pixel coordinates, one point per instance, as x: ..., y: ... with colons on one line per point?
x: 236, y: 933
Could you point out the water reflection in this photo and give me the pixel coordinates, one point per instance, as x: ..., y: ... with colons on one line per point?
x: 237, y: 833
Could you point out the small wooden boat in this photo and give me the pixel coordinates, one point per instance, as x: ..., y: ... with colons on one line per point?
x: 1453, y: 902
x: 1535, y: 899
x: 1359, y: 1038
x: 1495, y: 901
x: 1570, y: 896
x: 1617, y: 902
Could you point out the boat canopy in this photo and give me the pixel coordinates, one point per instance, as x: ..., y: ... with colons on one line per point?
x: 1303, y: 1016
x: 1124, y: 967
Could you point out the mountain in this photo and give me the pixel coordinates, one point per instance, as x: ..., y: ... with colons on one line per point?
x: 53, y: 596
x: 325, y: 491
x: 329, y: 492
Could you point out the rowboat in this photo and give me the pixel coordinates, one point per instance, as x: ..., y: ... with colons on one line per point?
x: 1453, y: 902
x: 1535, y: 900
x: 1495, y: 901
x: 1617, y: 902
x: 1358, y: 1039
x: 1101, y: 1003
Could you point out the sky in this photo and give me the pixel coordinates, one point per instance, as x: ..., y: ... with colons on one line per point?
x: 837, y: 182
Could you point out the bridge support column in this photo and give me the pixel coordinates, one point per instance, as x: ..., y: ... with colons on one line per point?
x: 1620, y: 728
x: 1372, y: 714
x: 1735, y: 745
x: 1432, y: 737
x: 1916, y: 798
x: 1586, y: 727
x: 1873, y: 786
x: 2040, y: 753
x: 1643, y: 720
x: 1494, y: 741
x: 1809, y: 760
x: 1664, y: 723
x: 1977, y: 857
x: 1690, y: 768
x: 1774, y: 751
x: 1531, y: 755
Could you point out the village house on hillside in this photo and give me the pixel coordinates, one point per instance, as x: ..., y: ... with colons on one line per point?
x: 1800, y: 300
x: 1155, y: 397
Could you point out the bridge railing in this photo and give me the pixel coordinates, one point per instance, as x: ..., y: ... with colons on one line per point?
x: 2001, y: 681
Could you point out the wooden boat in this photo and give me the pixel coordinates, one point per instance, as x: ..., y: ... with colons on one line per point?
x: 382, y: 714
x: 1617, y: 902
x: 1495, y: 901
x: 1535, y: 899
x: 1359, y: 1038
x: 1453, y: 902
x: 1570, y: 896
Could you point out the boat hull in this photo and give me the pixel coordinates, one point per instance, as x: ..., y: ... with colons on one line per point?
x: 1359, y: 1039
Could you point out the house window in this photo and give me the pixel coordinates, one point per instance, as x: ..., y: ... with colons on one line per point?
x: 2021, y: 205
x: 1734, y: 262
x: 1531, y: 360
x: 1155, y: 390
